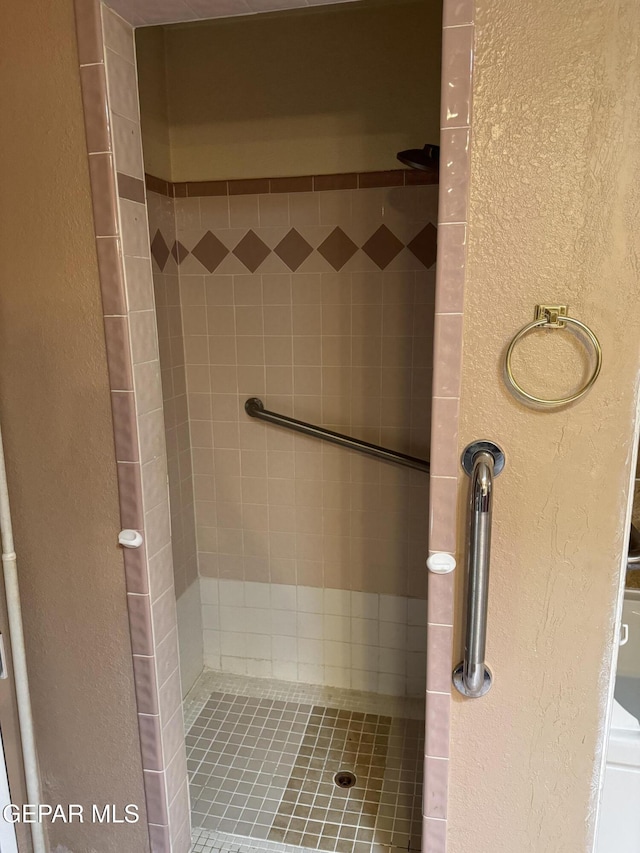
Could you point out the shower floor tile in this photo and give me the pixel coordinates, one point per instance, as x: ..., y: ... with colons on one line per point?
x: 240, y: 754
x: 262, y: 772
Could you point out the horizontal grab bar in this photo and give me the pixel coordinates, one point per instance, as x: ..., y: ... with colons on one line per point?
x: 255, y: 408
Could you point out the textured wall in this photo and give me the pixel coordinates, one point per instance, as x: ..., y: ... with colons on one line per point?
x: 554, y: 206
x: 337, y: 89
x: 54, y: 406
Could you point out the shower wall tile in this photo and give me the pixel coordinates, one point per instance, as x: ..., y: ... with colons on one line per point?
x: 454, y: 174
x: 156, y: 797
x: 112, y: 278
x: 135, y: 566
x: 288, y: 631
x: 123, y: 254
x: 448, y: 347
x: 312, y: 342
x: 150, y: 741
x: 457, y: 52
x: 127, y: 146
x: 118, y: 36
x: 160, y: 838
x: 104, y: 196
x: 440, y: 602
x: 458, y: 12
x: 436, y: 775
x: 123, y: 86
x: 94, y: 94
x: 434, y: 835
x: 456, y: 89
x: 452, y: 244
x: 444, y: 447
x: 89, y: 33
x: 140, y: 623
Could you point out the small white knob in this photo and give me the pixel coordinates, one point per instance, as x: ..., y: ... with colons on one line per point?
x: 130, y: 538
x: 441, y: 563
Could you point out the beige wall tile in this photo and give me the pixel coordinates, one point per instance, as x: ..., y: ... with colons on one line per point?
x: 339, y: 348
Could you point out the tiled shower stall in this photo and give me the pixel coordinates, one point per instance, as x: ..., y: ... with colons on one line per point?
x: 294, y: 560
x: 292, y: 572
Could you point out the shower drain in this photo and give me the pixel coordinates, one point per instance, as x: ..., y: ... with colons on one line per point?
x: 345, y: 779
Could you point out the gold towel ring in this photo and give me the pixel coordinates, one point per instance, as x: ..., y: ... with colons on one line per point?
x: 553, y: 317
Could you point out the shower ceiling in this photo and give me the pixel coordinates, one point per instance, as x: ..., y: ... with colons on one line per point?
x: 147, y: 12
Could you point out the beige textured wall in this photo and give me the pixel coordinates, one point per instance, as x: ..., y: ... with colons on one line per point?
x: 337, y: 89
x: 554, y: 206
x: 154, y: 117
x: 54, y: 407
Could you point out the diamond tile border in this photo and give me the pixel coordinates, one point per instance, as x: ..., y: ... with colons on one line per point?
x: 382, y: 247
x: 296, y: 184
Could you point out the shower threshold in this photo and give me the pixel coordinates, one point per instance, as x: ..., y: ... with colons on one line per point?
x: 282, y: 767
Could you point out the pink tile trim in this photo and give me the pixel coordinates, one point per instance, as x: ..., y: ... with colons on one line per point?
x: 454, y: 175
x: 444, y: 447
x: 437, y: 723
x: 457, y: 56
x: 159, y: 838
x: 146, y: 684
x: 436, y: 775
x: 156, y: 797
x: 457, y: 12
x: 443, y: 509
x: 440, y: 638
x: 434, y: 835
x: 130, y: 489
x: 456, y: 100
x: 135, y: 567
x: 452, y: 249
x: 140, y: 624
x: 103, y: 194
x: 153, y: 661
x: 447, y: 355
x: 89, y: 32
x: 150, y: 741
x: 441, y: 589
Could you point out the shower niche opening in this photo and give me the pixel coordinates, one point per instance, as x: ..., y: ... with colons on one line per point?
x: 294, y: 261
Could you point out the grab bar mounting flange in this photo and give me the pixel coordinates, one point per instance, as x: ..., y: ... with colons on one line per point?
x: 471, y: 451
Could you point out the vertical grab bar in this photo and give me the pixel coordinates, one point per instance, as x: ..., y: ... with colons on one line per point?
x: 482, y: 461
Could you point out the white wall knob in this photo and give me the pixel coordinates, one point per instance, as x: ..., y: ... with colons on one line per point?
x: 130, y: 538
x: 441, y: 563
